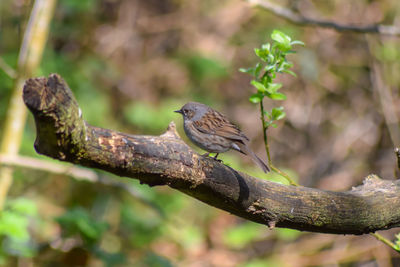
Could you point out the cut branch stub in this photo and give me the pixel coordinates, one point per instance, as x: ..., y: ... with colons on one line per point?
x: 60, y: 128
x: 167, y: 160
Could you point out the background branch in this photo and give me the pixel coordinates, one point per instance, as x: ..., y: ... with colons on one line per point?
x: 167, y: 160
x: 78, y: 173
x: 385, y: 95
x: 299, y: 19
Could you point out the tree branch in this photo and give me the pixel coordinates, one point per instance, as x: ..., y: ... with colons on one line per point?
x: 166, y: 160
x: 298, y: 19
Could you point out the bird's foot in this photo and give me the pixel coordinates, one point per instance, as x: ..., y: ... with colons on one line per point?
x: 215, y: 157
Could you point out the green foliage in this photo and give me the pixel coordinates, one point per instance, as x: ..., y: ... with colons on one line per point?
x: 77, y: 221
x: 6, y: 83
x: 149, y: 118
x: 273, y: 61
x: 287, y: 234
x: 243, y: 234
x: 86, y: 78
x: 389, y: 51
x: 204, y: 68
x: 74, y: 6
x: 187, y: 235
x: 14, y: 223
x: 262, y: 263
x: 154, y: 260
x: 140, y: 228
x: 109, y: 259
x: 275, y: 115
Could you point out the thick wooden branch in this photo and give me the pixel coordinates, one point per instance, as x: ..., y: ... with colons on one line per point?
x: 166, y: 160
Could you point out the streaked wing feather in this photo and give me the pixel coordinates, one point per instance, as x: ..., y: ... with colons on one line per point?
x: 214, y: 122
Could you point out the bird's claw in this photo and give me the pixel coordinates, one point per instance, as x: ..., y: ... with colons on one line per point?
x: 215, y: 157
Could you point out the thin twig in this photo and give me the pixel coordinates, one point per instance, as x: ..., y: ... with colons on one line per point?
x: 299, y: 19
x: 48, y: 166
x: 283, y: 174
x: 265, y: 128
x: 275, y: 169
x: 386, y: 241
x: 80, y: 174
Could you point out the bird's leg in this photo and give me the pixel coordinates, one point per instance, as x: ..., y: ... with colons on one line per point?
x: 215, y: 157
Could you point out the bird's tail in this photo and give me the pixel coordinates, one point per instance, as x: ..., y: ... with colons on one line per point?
x: 245, y: 149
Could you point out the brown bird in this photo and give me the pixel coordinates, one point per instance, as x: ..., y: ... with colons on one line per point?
x: 213, y: 132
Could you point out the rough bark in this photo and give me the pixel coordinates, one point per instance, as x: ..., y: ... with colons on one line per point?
x: 166, y: 160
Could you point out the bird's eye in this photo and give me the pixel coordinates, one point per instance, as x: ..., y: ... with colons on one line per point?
x: 184, y: 111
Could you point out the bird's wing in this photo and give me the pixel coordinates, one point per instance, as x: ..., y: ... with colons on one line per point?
x: 214, y: 122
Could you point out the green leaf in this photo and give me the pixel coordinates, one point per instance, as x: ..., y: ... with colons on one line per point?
x: 277, y: 113
x: 248, y: 70
x: 277, y: 96
x: 280, y: 37
x: 256, y: 98
x: 257, y: 69
x: 261, y: 54
x: 266, y: 78
x: 273, y: 87
x: 268, y: 115
x: 14, y: 220
x: 270, y: 58
x: 260, y: 87
x: 285, y: 65
x: 283, y: 40
x: 78, y: 221
x: 296, y: 42
x: 290, y: 72
x: 23, y: 206
x: 266, y: 47
x: 269, y: 68
x: 14, y: 226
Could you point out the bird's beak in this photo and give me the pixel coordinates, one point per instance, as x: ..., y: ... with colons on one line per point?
x: 179, y: 111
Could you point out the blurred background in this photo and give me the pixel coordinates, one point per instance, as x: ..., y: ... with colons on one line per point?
x: 130, y: 63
